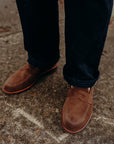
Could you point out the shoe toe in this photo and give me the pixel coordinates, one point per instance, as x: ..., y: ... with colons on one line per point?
x: 9, y: 86
x: 72, y: 123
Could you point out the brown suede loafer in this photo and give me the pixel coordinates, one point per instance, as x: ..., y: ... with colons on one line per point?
x: 24, y: 78
x: 77, y: 109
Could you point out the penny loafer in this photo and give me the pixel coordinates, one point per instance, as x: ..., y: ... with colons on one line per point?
x: 24, y: 78
x: 77, y: 109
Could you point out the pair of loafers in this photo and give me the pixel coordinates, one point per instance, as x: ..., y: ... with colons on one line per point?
x: 78, y: 106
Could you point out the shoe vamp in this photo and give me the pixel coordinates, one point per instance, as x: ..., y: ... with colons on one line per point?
x: 76, y: 111
x: 20, y: 78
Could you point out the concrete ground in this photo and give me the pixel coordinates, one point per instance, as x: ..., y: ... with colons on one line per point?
x: 33, y: 117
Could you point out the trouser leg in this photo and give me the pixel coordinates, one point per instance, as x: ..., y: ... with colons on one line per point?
x: 39, y: 19
x: 86, y: 25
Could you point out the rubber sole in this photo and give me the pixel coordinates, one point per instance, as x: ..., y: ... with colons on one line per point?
x: 74, y: 132
x: 28, y: 87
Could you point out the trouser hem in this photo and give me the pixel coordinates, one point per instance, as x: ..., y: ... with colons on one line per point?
x: 81, y: 83
x: 42, y: 65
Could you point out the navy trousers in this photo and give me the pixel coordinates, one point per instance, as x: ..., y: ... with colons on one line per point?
x: 86, y: 25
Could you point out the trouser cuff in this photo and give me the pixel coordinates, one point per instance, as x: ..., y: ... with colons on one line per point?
x: 81, y: 83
